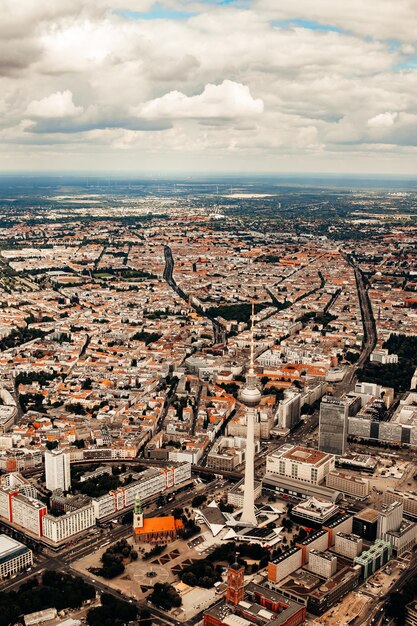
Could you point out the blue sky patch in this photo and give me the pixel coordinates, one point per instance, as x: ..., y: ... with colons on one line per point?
x: 157, y: 12
x: 410, y: 64
x: 309, y: 24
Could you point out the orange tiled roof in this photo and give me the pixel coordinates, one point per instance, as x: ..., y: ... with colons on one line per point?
x: 159, y: 525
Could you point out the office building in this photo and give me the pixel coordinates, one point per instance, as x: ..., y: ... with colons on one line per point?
x: 400, y: 430
x: 389, y: 518
x: 299, y: 463
x: 14, y: 556
x: 289, y: 409
x: 236, y: 493
x: 342, y: 524
x: 285, y: 564
x: 411, y: 614
x: 317, y: 541
x: 152, y: 481
x: 228, y: 452
x: 373, y: 559
x: 333, y: 423
x: 402, y: 539
x: 28, y: 513
x: 57, y: 470
x: 365, y: 524
x: 58, y: 529
x: 330, y: 591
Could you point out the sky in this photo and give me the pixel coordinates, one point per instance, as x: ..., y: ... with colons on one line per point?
x: 232, y: 86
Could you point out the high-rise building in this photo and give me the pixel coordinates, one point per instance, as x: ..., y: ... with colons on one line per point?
x: 390, y: 517
x: 333, y: 425
x: 289, y: 409
x: 57, y: 470
x: 250, y: 396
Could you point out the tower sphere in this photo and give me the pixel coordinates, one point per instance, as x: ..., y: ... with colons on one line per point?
x: 250, y: 396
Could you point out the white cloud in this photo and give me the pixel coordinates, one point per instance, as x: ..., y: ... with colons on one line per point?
x: 229, y: 100
x: 383, y: 120
x: 224, y: 81
x: 58, y: 105
x: 382, y: 19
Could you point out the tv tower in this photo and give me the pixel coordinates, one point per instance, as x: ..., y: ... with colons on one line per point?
x: 250, y: 396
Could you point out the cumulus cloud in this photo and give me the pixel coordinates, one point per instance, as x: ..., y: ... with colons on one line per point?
x: 57, y: 105
x: 383, y: 120
x: 261, y: 78
x: 229, y: 100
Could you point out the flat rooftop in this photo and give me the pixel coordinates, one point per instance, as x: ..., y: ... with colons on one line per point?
x: 10, y: 548
x: 306, y: 455
x: 350, y: 477
x: 367, y: 515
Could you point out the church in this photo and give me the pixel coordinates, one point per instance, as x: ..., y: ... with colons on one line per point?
x: 156, y: 530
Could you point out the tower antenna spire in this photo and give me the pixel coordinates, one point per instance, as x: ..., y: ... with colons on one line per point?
x: 252, y: 341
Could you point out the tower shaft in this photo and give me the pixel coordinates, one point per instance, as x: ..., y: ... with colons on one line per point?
x: 248, y: 513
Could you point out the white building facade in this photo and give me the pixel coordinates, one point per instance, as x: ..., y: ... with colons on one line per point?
x: 57, y: 470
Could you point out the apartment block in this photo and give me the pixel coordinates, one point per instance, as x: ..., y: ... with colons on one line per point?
x: 351, y: 485
x: 348, y: 545
x: 285, y: 564
x: 322, y: 563
x: 59, y: 529
x: 57, y: 470
x: 407, y: 498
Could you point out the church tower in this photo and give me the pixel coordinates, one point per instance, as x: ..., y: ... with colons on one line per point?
x: 235, y: 583
x: 137, y: 514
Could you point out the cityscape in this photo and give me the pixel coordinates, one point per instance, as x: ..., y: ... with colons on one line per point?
x: 209, y: 403
x: 208, y: 313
